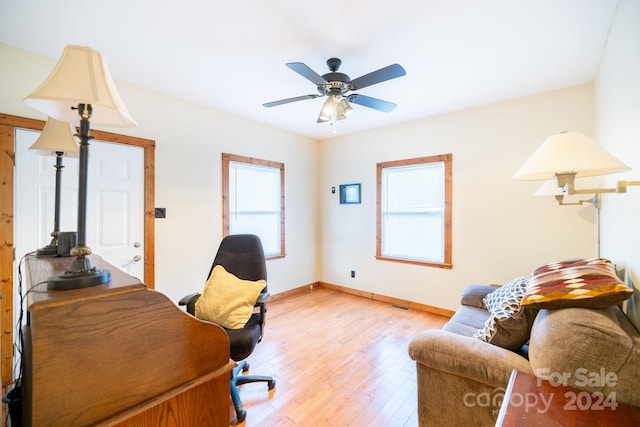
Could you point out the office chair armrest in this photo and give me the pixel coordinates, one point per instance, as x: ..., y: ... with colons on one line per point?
x: 262, y: 303
x: 262, y: 299
x: 188, y: 298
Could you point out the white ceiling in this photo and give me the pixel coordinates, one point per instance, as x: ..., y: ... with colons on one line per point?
x: 231, y: 55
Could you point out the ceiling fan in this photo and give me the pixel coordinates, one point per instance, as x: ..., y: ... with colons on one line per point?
x: 336, y: 86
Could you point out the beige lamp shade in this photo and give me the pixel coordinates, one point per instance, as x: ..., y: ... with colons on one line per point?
x: 56, y: 137
x: 81, y: 76
x: 568, y: 152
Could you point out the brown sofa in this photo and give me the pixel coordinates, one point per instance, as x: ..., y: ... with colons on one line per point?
x: 461, y: 379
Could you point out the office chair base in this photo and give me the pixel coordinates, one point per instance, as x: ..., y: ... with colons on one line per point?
x: 237, y: 380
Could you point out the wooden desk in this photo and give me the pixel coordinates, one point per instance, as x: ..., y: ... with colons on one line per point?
x: 118, y: 354
x: 529, y: 401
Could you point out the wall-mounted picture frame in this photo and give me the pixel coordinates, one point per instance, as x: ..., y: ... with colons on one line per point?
x: 349, y: 194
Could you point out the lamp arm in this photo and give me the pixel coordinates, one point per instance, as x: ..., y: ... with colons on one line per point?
x: 621, y: 187
x: 595, y: 191
x: 595, y: 201
x: 566, y: 181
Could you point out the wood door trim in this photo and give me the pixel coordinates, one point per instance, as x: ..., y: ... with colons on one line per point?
x: 7, y: 160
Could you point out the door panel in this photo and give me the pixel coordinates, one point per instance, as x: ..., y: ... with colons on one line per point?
x: 35, y: 191
x: 116, y: 190
x: 115, y: 200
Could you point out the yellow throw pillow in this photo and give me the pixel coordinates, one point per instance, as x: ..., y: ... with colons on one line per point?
x: 227, y: 300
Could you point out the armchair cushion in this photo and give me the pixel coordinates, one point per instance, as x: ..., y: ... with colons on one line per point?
x: 508, y: 324
x: 473, y: 295
x: 227, y: 300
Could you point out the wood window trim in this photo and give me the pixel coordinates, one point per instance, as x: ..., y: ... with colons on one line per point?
x: 8, y: 123
x: 447, y: 160
x: 226, y: 158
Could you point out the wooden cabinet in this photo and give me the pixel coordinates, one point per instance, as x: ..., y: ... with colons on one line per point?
x: 531, y: 401
x: 118, y: 354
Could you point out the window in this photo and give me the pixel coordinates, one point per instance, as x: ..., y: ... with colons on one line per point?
x: 253, y: 200
x: 414, y: 211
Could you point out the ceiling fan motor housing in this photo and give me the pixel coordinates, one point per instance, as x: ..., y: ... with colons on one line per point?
x: 334, y: 64
x: 336, y: 82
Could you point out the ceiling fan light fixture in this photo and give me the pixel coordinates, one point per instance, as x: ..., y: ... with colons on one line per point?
x: 345, y: 107
x: 340, y: 114
x: 342, y: 107
x: 327, y: 110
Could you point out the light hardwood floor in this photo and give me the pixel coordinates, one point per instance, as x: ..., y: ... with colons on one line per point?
x: 338, y: 360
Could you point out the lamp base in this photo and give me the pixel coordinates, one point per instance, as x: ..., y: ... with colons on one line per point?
x: 47, y: 251
x: 80, y: 275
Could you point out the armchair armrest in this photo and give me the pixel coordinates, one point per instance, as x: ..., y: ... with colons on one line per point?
x: 466, y: 357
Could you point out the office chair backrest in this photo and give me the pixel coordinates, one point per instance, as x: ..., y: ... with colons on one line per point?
x: 243, y: 256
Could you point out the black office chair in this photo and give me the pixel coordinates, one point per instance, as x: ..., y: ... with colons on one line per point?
x: 241, y: 255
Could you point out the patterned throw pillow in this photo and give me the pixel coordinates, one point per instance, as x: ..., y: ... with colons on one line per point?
x: 592, y: 283
x: 575, y: 262
x: 509, y: 324
x: 511, y: 294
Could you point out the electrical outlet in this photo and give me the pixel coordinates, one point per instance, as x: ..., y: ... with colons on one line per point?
x: 353, y: 273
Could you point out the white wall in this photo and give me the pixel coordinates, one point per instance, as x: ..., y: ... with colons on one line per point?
x: 189, y: 142
x: 617, y: 97
x: 500, y: 231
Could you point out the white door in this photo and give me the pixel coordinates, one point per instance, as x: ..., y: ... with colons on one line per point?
x: 115, y: 205
x: 115, y: 201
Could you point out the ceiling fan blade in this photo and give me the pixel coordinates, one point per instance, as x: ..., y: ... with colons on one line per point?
x: 288, y: 100
x: 383, y: 74
x: 375, y: 103
x: 307, y: 73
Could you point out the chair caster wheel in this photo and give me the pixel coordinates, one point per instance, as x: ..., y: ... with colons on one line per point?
x: 245, y: 368
x: 241, y: 415
x: 271, y: 384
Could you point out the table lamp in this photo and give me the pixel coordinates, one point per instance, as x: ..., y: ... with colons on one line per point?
x: 81, y: 85
x: 57, y: 139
